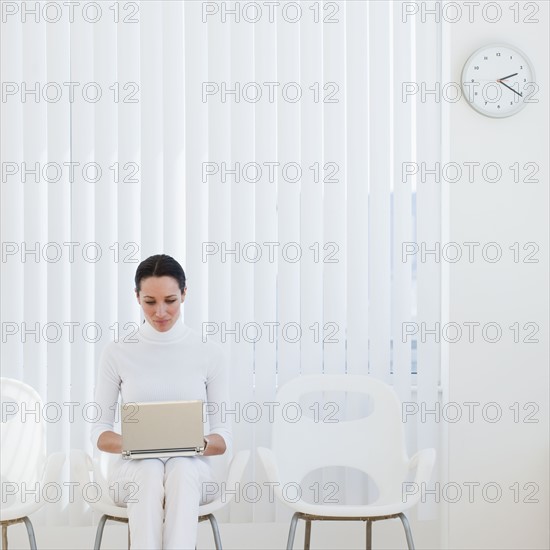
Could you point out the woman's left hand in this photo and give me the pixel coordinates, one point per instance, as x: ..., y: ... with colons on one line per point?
x: 216, y: 445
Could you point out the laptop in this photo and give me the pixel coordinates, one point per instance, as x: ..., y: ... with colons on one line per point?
x: 162, y: 429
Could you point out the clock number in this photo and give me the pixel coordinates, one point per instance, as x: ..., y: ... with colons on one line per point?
x: 498, y: 54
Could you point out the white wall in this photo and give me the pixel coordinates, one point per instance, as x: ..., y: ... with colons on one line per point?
x: 505, y: 292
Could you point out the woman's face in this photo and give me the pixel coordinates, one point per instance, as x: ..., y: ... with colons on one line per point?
x: 160, y: 299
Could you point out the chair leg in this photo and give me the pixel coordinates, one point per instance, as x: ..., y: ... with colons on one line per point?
x: 407, y: 528
x: 5, y: 537
x: 292, y: 531
x: 369, y: 534
x: 307, y: 536
x: 30, y: 532
x: 215, y: 531
x: 99, y: 532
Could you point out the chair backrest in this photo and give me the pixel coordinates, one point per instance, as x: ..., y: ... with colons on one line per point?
x: 23, y: 451
x: 373, y: 444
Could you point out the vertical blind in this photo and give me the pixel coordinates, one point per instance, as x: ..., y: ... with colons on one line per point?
x: 263, y: 147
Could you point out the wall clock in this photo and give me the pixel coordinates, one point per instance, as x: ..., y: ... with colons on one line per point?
x: 498, y: 80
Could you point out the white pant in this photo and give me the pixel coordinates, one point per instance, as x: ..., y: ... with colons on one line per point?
x: 163, y: 497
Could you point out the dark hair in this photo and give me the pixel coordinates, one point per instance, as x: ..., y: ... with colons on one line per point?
x: 160, y: 265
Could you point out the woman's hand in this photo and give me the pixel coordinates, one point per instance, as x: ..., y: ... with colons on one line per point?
x: 216, y: 445
x: 110, y: 442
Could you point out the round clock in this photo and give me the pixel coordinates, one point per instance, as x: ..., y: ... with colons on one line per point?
x: 498, y: 80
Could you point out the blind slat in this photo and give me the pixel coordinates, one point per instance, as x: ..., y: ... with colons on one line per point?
x: 195, y: 126
x: 379, y: 190
x: 265, y: 272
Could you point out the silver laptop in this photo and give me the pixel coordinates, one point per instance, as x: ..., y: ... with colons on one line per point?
x: 162, y: 429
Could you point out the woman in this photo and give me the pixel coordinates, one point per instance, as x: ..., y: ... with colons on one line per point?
x: 168, y: 362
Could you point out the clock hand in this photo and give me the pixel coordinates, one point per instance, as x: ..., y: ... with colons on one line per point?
x: 506, y: 77
x: 510, y: 88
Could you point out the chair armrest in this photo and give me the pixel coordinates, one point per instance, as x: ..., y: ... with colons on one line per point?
x: 81, y: 466
x: 226, y: 491
x: 270, y: 464
x: 84, y: 471
x: 27, y: 506
x: 237, y: 467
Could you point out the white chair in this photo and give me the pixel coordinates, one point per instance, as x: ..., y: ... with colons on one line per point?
x: 82, y: 466
x: 373, y: 444
x: 23, y: 463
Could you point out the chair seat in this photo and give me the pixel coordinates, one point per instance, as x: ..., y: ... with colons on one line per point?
x: 111, y: 509
x: 122, y: 511
x: 83, y: 466
x: 344, y: 510
x: 19, y: 510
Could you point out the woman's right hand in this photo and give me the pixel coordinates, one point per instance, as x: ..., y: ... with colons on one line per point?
x: 110, y: 442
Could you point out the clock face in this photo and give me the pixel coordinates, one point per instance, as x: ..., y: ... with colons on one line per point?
x: 498, y: 80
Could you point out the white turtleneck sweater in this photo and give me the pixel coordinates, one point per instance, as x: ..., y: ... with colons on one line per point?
x: 175, y: 365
